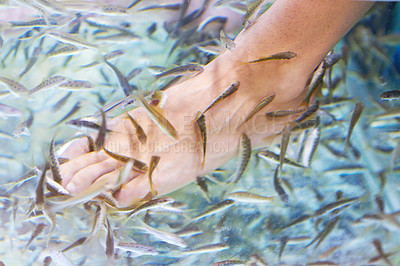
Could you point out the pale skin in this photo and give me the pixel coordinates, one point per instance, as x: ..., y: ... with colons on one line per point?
x: 310, y: 28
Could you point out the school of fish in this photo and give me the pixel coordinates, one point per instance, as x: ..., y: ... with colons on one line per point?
x: 326, y: 194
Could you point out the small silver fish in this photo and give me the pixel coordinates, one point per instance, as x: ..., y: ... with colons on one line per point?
x: 242, y: 196
x: 201, y: 183
x: 226, y: 42
x: 390, y: 95
x: 278, y: 56
x: 65, y: 51
x: 36, y: 232
x: 9, y: 111
x: 229, y: 91
x: 54, y: 164
x: 14, y: 87
x: 153, y: 164
x: 201, y: 124
x: 358, y: 109
x: 216, y: 208
x: 264, y: 102
x: 69, y: 38
x: 76, y: 85
x: 165, y: 236
x: 140, y: 134
x: 245, y: 154
x: 52, y: 82
x: 182, y: 70
x: 207, y: 249
x: 137, y: 248
x: 154, y: 203
x: 252, y: 7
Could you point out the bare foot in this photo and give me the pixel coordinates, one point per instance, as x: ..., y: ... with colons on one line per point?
x: 181, y: 159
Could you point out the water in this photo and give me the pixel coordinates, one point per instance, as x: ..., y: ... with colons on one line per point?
x: 245, y: 231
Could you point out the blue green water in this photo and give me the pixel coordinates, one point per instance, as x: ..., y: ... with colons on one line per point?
x: 246, y: 230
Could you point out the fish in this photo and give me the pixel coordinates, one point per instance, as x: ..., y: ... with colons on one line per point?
x: 109, y: 56
x: 311, y: 144
x: 390, y: 95
x: 223, y: 205
x: 37, y: 23
x: 228, y: 262
x: 39, y: 193
x: 247, y: 197
x: 285, y: 139
x: 278, y: 187
x: 357, y: 111
x: 201, y: 183
x: 73, y: 110
x: 264, y: 102
x: 15, y: 88
x: 282, y: 113
x: 140, y: 134
x: 122, y: 81
x: 189, y: 231
x: 334, y: 206
x: 109, y: 241
x: 89, y: 193
x: 378, y: 247
x: 59, y: 104
x: 137, y: 248
x: 20, y: 181
x: 98, y: 221
x: 269, y: 154
x: 23, y: 127
x: 134, y: 72
x: 170, y: 7
x: 76, y: 85
x: 153, y: 164
x: 201, y: 124
x: 9, y: 111
x: 77, y: 243
x: 33, y: 59
x: 330, y: 60
x: 182, y: 70
x: 252, y: 7
x: 229, y: 91
x: 206, y: 249
x: 52, y: 82
x: 283, y: 241
x: 219, y: 20
x: 54, y: 164
x: 164, y: 236
x: 137, y: 165
x: 154, y: 203
x: 157, y: 117
x: 36, y: 232
x: 101, y: 135
x: 85, y: 126
x: 51, y: 217
x: 395, y: 156
x: 245, y: 154
x: 310, y: 110
x: 315, y: 83
x: 325, y: 232
x: 278, y: 56
x: 68, y: 38
x: 96, y: 7
x: 226, y: 42
x: 66, y: 51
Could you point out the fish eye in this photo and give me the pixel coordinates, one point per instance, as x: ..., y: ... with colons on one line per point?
x: 125, y: 24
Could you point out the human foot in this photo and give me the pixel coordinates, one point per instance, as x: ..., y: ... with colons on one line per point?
x: 181, y: 160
